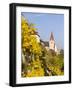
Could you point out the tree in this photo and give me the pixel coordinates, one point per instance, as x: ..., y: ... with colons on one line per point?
x: 30, y: 47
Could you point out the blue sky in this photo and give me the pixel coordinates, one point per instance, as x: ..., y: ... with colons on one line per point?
x: 47, y: 23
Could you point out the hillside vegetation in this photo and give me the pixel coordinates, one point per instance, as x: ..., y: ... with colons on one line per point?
x: 36, y: 60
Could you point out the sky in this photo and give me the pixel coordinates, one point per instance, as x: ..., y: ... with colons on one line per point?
x: 47, y: 23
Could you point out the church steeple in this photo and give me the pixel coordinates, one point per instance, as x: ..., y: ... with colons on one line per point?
x: 51, y: 37
x: 52, y: 42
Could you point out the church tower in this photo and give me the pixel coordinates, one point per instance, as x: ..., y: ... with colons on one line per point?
x: 52, y: 42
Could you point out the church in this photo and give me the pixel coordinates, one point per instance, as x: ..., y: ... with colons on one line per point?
x: 50, y: 44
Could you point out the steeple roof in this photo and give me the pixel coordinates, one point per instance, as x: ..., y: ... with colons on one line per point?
x: 51, y: 37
